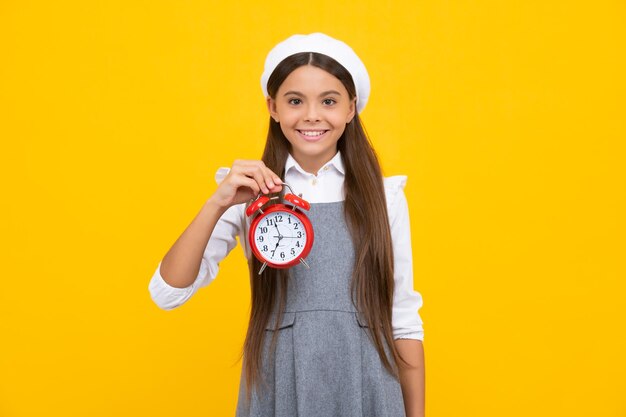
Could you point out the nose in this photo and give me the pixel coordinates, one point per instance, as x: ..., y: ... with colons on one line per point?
x: 312, y: 114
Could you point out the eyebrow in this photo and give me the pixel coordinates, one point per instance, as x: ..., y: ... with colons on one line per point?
x: 325, y: 93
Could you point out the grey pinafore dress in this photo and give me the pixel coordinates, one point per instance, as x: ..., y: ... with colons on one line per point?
x: 325, y: 364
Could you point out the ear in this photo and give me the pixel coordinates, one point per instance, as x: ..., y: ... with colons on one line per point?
x: 352, y: 110
x: 271, y: 107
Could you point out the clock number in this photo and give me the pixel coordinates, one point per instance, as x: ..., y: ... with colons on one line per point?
x: 260, y: 239
x: 263, y: 229
x: 282, y: 255
x: 264, y: 249
x: 289, y: 218
x: 297, y: 243
x: 293, y: 251
x: 270, y: 222
x: 279, y: 219
x: 299, y: 234
x: 295, y: 226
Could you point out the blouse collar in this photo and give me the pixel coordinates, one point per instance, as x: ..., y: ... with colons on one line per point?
x: 335, y: 162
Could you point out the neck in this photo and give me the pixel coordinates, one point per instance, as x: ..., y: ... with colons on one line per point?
x: 312, y: 165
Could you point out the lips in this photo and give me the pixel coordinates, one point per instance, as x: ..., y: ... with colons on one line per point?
x: 312, y: 135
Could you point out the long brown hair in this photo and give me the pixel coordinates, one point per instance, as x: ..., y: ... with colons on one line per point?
x: 365, y: 210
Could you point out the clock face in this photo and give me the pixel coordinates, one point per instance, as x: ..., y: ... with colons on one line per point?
x: 280, y: 237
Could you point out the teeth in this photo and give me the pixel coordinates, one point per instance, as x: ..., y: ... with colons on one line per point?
x: 312, y: 133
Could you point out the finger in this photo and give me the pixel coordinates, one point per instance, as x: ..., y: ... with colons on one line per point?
x: 260, y: 175
x: 276, y: 184
x: 243, y: 181
x: 248, y: 167
x: 273, y: 181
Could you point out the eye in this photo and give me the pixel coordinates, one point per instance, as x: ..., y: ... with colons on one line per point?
x: 329, y: 101
x: 291, y: 101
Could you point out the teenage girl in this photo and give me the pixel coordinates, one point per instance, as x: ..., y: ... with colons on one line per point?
x: 342, y: 337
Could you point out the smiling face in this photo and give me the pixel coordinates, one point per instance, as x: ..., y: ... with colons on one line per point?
x: 312, y: 108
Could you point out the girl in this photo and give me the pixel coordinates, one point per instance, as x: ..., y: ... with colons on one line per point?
x: 343, y: 337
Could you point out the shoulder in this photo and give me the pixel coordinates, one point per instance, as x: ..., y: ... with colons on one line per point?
x: 394, y: 189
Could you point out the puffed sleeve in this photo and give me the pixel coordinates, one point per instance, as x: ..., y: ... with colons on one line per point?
x: 222, y: 241
x: 406, y: 321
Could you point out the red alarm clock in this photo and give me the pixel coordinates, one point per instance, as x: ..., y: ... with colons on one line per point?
x: 281, y: 235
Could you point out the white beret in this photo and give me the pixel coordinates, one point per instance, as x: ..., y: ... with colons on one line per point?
x: 323, y: 44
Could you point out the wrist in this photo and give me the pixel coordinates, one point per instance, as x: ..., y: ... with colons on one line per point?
x: 214, y: 205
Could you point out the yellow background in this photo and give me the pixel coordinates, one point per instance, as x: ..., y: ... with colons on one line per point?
x: 507, y: 117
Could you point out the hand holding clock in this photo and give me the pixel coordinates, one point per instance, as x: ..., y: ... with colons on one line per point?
x: 246, y: 179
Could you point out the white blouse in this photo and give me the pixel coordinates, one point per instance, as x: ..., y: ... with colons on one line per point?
x: 325, y: 187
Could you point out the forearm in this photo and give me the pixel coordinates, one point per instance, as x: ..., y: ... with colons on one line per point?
x: 412, y: 375
x: 181, y: 263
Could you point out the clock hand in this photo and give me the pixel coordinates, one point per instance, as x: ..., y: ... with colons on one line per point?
x: 274, y: 251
